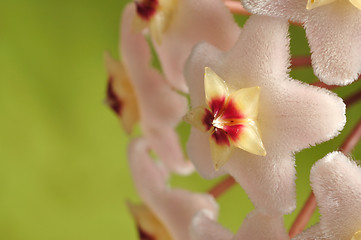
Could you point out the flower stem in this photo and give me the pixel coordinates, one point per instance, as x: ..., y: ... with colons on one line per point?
x: 237, y: 8
x: 310, y: 205
x: 301, y: 61
x: 222, y: 187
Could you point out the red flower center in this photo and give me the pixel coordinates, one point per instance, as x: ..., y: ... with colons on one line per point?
x: 146, y: 8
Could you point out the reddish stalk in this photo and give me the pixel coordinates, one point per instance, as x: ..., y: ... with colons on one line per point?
x: 323, y: 85
x: 237, y: 8
x: 301, y: 61
x: 222, y: 187
x: 310, y: 205
x: 353, y: 98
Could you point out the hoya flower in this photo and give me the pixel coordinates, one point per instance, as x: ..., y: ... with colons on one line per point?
x: 333, y: 29
x: 256, y: 226
x: 177, y: 25
x: 166, y: 213
x: 137, y: 91
x: 336, y: 183
x: 273, y: 115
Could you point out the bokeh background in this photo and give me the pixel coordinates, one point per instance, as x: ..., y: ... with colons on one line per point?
x: 63, y: 165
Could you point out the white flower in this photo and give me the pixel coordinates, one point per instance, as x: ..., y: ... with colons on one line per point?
x: 145, y: 95
x: 256, y: 226
x: 181, y: 25
x: 291, y: 115
x: 167, y: 213
x: 336, y: 183
x: 333, y: 29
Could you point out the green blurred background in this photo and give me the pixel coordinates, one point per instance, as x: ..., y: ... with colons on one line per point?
x: 63, y: 168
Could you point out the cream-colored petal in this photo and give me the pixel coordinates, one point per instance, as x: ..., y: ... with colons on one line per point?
x: 247, y: 100
x: 148, y: 223
x: 157, y: 26
x: 197, y: 118
x: 311, y: 4
x: 215, y: 89
x: 356, y: 3
x: 250, y: 139
x: 199, y: 151
x: 220, y: 152
x: 121, y: 96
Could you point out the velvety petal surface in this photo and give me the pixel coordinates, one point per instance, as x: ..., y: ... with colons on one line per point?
x: 161, y: 108
x: 336, y: 183
x: 334, y: 35
x: 174, y: 207
x: 194, y: 21
x: 290, y: 9
x: 291, y: 115
x: 333, y: 31
x: 256, y: 226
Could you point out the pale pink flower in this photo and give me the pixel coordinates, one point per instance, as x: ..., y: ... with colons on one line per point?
x: 333, y: 29
x: 167, y: 213
x: 147, y: 97
x: 288, y: 115
x: 177, y: 25
x: 336, y: 183
x: 256, y: 226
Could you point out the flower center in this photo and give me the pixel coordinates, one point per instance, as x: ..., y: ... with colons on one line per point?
x: 146, y: 8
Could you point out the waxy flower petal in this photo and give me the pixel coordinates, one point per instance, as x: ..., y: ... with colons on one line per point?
x: 160, y: 107
x: 226, y: 118
x: 333, y: 29
x: 291, y: 115
x: 193, y: 21
x: 256, y: 226
x: 120, y: 94
x: 336, y: 183
x: 173, y: 207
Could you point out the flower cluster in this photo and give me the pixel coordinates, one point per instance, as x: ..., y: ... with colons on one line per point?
x: 248, y: 117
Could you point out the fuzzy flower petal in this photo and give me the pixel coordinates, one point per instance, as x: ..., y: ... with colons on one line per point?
x: 256, y: 226
x: 291, y: 115
x: 173, y: 207
x: 336, y: 183
x: 333, y: 30
x: 194, y: 21
x: 160, y: 108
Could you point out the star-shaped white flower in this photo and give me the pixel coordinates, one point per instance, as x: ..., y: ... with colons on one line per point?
x: 333, y: 29
x: 290, y: 115
x: 256, y: 226
x: 336, y: 183
x: 180, y: 24
x: 140, y: 92
x: 167, y: 213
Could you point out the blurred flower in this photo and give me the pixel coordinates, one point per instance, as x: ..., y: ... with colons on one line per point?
x: 167, y: 213
x: 333, y: 30
x: 336, y: 183
x: 291, y: 115
x: 138, y: 87
x: 256, y: 226
x: 180, y: 25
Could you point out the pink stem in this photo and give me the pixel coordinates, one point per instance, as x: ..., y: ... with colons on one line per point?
x: 301, y: 61
x: 222, y: 187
